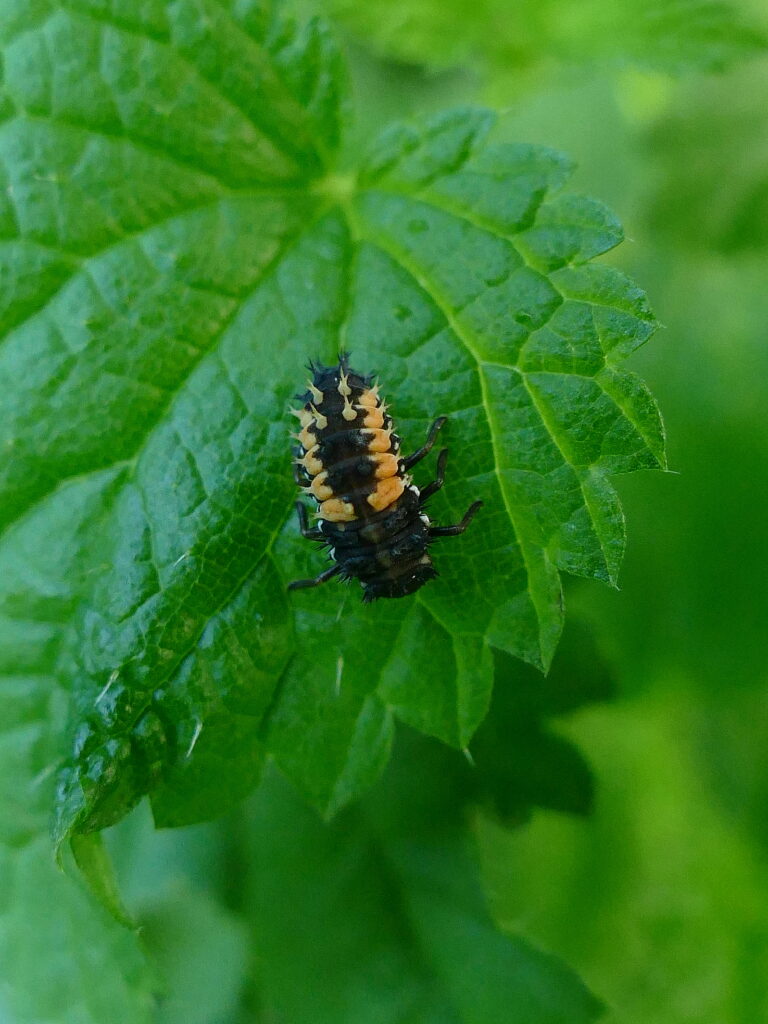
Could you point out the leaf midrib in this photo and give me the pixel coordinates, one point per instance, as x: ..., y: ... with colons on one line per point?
x: 359, y: 231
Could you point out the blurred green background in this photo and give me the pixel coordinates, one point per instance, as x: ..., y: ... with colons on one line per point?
x: 660, y: 897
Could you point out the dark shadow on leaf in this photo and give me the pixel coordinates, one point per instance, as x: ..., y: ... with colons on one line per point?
x: 520, y: 763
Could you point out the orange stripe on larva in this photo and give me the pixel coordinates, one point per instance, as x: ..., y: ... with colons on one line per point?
x: 320, y: 488
x: 386, y: 492
x: 369, y: 399
x: 379, y: 441
x: 386, y: 465
x: 336, y: 510
x: 374, y: 418
x: 311, y: 462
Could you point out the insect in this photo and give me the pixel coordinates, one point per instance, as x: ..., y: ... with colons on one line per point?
x: 370, y: 515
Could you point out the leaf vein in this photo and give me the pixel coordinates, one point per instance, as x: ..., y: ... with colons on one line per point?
x: 570, y: 460
x: 281, y: 143
x: 131, y: 462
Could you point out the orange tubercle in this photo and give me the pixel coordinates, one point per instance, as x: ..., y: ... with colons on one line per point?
x: 387, y: 491
x: 336, y: 510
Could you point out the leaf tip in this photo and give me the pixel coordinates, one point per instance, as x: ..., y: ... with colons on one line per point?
x: 96, y: 869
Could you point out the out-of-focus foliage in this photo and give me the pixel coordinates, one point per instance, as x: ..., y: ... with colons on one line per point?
x: 712, y: 148
x: 381, y: 916
x: 502, y: 39
x: 662, y: 901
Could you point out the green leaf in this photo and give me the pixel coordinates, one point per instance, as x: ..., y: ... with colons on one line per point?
x: 379, y: 916
x: 62, y: 957
x: 497, y: 38
x: 642, y: 865
x: 449, y: 242
x: 200, y: 954
x: 175, y: 171
x: 183, y: 889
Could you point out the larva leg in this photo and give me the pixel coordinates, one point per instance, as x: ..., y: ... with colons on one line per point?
x: 310, y: 532
x: 317, y: 581
x: 437, y: 483
x: 434, y: 430
x: 452, y: 531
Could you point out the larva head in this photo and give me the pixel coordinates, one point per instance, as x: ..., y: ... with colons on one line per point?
x: 337, y: 385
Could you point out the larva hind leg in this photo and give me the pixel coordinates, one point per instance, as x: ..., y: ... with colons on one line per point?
x: 317, y: 581
x: 453, y: 531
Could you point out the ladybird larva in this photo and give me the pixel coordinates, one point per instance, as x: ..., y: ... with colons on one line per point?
x: 371, y: 515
